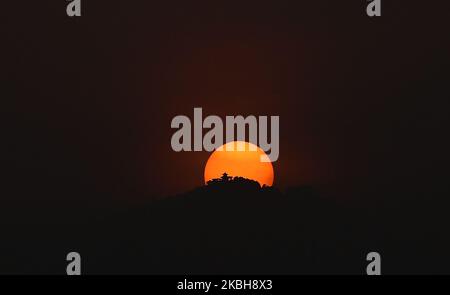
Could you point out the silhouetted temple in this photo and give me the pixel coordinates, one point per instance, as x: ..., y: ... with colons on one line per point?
x: 237, y: 182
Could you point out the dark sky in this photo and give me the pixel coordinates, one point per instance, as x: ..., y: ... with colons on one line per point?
x: 87, y: 102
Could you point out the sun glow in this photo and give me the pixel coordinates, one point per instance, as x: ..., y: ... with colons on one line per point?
x: 244, y: 162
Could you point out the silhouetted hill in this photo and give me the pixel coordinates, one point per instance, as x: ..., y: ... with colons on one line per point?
x: 235, y: 227
x: 238, y: 228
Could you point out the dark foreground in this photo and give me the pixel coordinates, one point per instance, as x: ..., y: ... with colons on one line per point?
x: 235, y: 230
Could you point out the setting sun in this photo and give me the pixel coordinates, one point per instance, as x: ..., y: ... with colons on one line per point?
x: 244, y: 162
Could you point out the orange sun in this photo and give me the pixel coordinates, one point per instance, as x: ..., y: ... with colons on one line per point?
x: 239, y: 158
